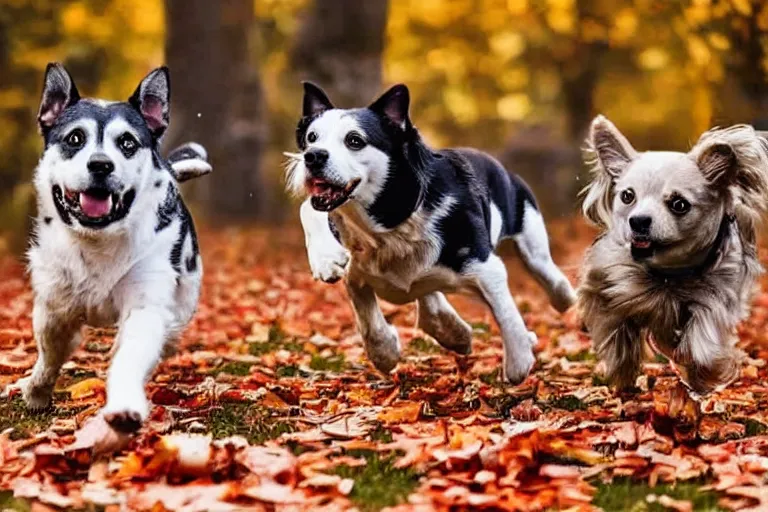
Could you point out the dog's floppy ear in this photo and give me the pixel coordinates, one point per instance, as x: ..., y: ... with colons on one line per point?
x: 152, y: 99
x: 59, y: 92
x: 393, y: 105
x: 315, y: 100
x: 736, y: 159
x: 608, y: 153
x: 189, y: 161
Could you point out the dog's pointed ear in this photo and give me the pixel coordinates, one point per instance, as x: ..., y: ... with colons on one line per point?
x: 152, y: 99
x: 315, y: 100
x: 608, y: 154
x: 611, y: 148
x: 59, y: 92
x: 394, y: 105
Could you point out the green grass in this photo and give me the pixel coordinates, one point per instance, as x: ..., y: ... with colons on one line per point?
x: 480, y: 328
x: 424, y: 346
x: 381, y: 434
x: 567, y: 402
x: 492, y: 378
x: 626, y: 495
x: 335, y: 363
x: 9, y: 503
x: 13, y: 413
x: 661, y: 358
x: 236, y: 368
x: 585, y: 355
x: 378, y: 484
x: 287, y: 371
x: 752, y: 427
x: 247, y: 420
x: 276, y: 340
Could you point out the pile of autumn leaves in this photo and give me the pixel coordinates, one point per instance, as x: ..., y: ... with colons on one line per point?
x: 467, y: 440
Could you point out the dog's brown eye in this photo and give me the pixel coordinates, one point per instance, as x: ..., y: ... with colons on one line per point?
x: 76, y: 138
x: 311, y: 137
x: 679, y: 205
x: 627, y: 196
x: 354, y: 141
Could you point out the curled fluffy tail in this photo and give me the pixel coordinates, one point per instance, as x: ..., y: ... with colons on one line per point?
x: 189, y: 161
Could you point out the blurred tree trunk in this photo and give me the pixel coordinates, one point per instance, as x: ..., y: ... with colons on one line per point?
x: 340, y: 45
x: 750, y: 51
x: 217, y: 100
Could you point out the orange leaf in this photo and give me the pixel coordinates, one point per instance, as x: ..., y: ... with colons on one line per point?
x: 87, y: 388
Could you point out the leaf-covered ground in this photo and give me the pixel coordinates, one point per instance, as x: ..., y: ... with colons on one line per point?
x: 269, y: 403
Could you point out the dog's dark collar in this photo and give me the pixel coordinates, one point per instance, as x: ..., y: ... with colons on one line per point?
x: 701, y: 268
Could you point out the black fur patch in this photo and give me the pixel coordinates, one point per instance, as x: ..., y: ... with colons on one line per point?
x: 192, y: 263
x: 187, y: 228
x: 87, y: 109
x: 420, y: 177
x: 47, y: 220
x: 58, y: 201
x: 168, y: 209
x: 184, y: 152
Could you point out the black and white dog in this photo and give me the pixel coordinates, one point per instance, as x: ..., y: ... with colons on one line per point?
x: 114, y: 242
x: 402, y: 222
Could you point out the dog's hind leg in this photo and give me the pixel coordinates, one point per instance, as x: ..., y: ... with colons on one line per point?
x: 438, y: 319
x: 327, y: 257
x: 56, y: 339
x: 382, y: 344
x: 534, y: 250
x: 491, y: 279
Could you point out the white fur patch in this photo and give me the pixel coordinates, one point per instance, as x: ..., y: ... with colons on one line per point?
x: 496, y: 224
x: 121, y: 274
x: 370, y: 165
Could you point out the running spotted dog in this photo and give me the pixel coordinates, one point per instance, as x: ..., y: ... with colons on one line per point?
x: 403, y: 222
x: 114, y: 242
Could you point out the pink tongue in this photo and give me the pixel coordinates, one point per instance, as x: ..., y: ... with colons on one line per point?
x: 94, y: 206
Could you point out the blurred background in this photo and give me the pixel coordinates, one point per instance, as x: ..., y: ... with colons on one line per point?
x: 518, y: 78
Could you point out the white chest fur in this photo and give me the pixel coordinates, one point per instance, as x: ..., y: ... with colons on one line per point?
x: 398, y: 263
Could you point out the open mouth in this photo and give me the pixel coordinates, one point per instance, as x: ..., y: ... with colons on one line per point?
x: 642, y: 247
x: 94, y: 207
x: 327, y: 196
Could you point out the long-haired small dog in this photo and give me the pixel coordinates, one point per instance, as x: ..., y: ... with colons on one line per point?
x: 114, y: 242
x: 403, y: 222
x: 677, y: 257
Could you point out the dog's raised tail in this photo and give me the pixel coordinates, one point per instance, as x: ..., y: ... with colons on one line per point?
x: 189, y: 161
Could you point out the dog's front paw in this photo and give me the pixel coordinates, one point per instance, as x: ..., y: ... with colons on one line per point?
x: 383, y: 348
x: 36, y: 398
x: 329, y: 264
x: 128, y: 414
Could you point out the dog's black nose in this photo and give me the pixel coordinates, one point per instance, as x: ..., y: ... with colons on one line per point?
x: 315, y: 158
x: 100, y: 164
x: 640, y: 224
